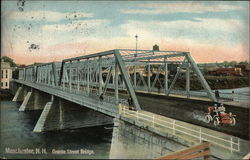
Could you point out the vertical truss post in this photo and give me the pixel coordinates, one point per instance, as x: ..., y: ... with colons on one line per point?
x: 123, y: 84
x: 40, y: 75
x: 88, y: 76
x: 45, y: 75
x: 200, y: 77
x: 36, y: 73
x: 188, y: 80
x: 127, y: 80
x: 54, y: 73
x: 61, y: 73
x: 77, y: 74
x: 32, y: 73
x: 148, y: 76
x: 49, y: 75
x: 116, y: 84
x: 70, y: 76
x: 24, y: 74
x: 100, y: 75
x: 166, y: 75
x: 64, y: 78
x: 113, y: 76
x: 134, y: 75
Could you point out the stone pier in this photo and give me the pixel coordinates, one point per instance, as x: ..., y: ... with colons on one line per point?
x: 61, y: 114
x: 127, y: 138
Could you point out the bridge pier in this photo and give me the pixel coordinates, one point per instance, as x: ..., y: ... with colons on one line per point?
x: 61, y: 114
x: 34, y: 100
x: 20, y: 93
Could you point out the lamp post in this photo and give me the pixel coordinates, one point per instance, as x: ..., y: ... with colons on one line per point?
x: 136, y: 40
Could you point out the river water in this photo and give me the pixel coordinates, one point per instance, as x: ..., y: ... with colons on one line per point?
x: 18, y: 140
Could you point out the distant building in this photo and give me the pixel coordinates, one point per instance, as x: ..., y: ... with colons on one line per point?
x: 156, y: 48
x: 6, y: 75
x: 244, y: 68
x: 206, y: 67
x: 233, y: 71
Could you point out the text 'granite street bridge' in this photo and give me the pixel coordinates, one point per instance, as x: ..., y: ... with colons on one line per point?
x: 103, y: 82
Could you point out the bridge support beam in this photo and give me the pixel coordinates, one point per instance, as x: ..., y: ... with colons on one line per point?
x: 61, y: 114
x: 34, y: 100
x: 20, y: 93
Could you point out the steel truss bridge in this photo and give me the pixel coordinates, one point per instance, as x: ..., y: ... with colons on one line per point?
x: 104, y: 81
x: 105, y: 75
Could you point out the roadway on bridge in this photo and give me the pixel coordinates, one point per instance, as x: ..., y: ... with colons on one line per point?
x: 192, y: 111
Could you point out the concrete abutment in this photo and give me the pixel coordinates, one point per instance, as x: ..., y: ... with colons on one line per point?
x: 34, y: 100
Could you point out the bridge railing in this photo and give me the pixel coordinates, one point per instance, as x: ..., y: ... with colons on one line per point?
x: 183, y: 129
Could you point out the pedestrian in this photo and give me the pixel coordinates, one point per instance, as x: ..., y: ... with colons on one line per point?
x: 233, y: 95
x: 101, y: 97
x: 130, y: 102
x: 217, y: 93
x: 159, y: 88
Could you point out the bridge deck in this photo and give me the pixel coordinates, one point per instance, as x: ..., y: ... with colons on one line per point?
x: 105, y: 107
x: 192, y: 111
x: 185, y: 132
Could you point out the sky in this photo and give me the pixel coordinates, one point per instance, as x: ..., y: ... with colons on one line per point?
x: 45, y: 31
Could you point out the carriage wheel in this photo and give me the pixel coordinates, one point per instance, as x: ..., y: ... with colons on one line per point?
x: 216, y: 121
x: 233, y: 122
x: 208, y: 118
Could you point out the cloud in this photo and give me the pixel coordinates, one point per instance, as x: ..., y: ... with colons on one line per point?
x: 44, y: 15
x: 193, y: 7
x: 214, y: 31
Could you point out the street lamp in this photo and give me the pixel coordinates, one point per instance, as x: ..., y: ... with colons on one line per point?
x: 136, y: 38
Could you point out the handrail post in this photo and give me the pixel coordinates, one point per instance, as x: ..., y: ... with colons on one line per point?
x: 238, y: 144
x: 137, y: 115
x: 200, y: 135
x: 231, y: 144
x: 174, y: 127
x: 123, y: 109
x: 153, y: 120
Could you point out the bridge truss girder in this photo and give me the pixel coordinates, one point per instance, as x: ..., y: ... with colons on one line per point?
x: 120, y: 69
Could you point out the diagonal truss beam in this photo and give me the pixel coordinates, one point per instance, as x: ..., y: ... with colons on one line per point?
x: 126, y: 78
x: 201, y: 78
x: 175, y: 78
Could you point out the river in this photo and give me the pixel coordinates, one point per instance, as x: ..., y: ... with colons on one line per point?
x: 19, y: 141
